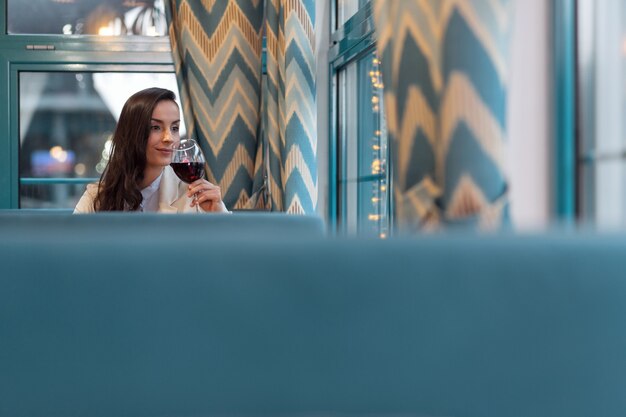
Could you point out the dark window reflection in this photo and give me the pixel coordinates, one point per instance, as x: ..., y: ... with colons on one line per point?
x: 87, y: 17
x: 63, y: 126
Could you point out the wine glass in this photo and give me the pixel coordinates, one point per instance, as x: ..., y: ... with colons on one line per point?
x: 188, y: 161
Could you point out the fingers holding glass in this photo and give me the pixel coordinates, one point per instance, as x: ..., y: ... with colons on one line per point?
x: 207, y: 196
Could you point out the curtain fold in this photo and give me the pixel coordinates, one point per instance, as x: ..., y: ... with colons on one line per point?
x: 216, y: 45
x: 289, y: 113
x: 250, y: 125
x: 445, y: 71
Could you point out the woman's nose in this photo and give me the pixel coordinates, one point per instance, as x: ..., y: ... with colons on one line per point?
x: 167, y: 136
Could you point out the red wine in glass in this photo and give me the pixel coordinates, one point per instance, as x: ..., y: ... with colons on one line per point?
x: 188, y: 171
x: 188, y: 161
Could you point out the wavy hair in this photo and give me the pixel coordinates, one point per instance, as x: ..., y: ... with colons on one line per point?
x: 118, y: 188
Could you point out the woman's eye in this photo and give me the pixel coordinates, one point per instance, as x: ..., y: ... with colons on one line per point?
x: 155, y: 127
x: 175, y: 129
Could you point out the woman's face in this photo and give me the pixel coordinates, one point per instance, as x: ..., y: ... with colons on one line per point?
x: 163, y: 134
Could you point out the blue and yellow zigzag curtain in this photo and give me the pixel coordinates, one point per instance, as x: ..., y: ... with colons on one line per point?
x: 445, y: 71
x: 289, y: 109
x: 234, y: 111
x: 216, y: 46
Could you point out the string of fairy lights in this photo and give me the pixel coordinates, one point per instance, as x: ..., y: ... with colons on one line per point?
x: 378, y: 215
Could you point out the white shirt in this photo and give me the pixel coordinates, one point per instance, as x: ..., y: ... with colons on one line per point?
x: 150, y: 196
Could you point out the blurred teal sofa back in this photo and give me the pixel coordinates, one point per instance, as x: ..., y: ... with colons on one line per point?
x: 140, y: 316
x: 33, y: 225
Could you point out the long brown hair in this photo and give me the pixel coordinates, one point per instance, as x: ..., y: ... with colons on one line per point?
x: 118, y: 189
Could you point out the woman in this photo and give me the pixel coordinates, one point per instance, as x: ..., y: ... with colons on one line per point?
x: 138, y: 176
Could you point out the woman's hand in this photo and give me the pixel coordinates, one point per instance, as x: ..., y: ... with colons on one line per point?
x: 208, y: 196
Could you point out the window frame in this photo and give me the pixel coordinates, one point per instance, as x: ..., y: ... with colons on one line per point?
x: 566, y: 184
x: 63, y: 53
x: 349, y: 43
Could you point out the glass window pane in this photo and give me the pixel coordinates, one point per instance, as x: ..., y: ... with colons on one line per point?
x: 66, y: 121
x: 602, y: 90
x: 363, y: 198
x: 366, y: 207
x: 348, y: 8
x: 372, y: 149
x: 87, y: 17
x: 603, y: 197
x: 373, y: 209
x: 50, y: 196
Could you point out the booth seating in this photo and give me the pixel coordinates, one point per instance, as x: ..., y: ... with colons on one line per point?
x: 155, y: 226
x: 265, y: 315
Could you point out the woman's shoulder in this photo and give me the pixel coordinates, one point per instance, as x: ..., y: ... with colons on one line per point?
x: 92, y: 188
x: 85, y: 204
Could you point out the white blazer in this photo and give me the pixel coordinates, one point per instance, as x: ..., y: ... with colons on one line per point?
x: 172, y: 196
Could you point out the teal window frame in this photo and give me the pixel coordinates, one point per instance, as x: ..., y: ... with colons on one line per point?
x: 566, y: 171
x: 350, y: 42
x: 64, y: 53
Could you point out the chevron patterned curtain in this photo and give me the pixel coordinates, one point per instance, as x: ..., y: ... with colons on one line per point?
x: 445, y: 69
x: 244, y: 121
x: 289, y: 109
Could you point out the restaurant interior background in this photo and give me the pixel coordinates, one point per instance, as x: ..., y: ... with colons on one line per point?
x: 68, y: 66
